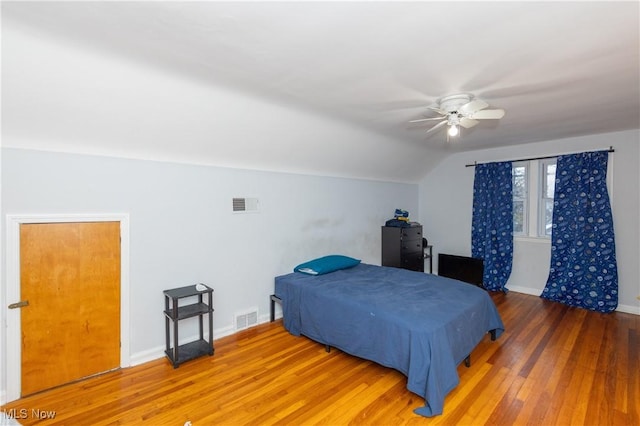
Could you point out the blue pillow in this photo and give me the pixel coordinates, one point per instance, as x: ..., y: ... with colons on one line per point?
x: 326, y: 264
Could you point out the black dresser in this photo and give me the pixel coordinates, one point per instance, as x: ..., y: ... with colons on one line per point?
x: 402, y: 247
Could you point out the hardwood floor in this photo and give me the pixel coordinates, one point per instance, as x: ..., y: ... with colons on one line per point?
x: 554, y: 365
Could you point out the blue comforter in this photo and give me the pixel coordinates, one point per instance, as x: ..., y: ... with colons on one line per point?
x: 420, y: 324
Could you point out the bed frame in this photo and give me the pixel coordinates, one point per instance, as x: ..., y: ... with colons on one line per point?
x: 275, y: 299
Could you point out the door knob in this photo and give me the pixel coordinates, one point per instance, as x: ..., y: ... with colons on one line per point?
x: 19, y: 304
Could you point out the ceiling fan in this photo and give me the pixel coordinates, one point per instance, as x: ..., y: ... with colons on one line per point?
x: 460, y: 111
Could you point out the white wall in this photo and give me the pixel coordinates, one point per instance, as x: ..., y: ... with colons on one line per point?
x: 446, y: 202
x: 183, y: 231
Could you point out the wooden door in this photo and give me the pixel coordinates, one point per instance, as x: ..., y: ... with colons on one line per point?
x: 70, y: 275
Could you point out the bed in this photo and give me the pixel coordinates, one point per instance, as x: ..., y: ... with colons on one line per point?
x: 420, y: 324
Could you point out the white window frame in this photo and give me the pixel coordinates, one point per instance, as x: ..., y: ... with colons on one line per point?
x: 535, y: 211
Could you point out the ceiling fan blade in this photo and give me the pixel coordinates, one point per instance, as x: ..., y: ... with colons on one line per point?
x: 425, y: 119
x: 437, y: 126
x: 468, y: 123
x: 472, y: 107
x: 438, y: 110
x: 488, y: 114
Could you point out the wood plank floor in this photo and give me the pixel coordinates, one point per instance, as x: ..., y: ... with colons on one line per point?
x: 554, y: 365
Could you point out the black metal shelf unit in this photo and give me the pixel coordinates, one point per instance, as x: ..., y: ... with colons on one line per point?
x: 174, y: 313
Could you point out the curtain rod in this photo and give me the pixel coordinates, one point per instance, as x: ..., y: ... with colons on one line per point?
x: 531, y: 158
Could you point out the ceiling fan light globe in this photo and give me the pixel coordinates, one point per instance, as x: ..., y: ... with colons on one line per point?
x: 453, y: 130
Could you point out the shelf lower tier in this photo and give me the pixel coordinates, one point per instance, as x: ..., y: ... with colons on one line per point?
x: 189, y: 351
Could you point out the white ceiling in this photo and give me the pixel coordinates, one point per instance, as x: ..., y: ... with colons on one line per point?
x: 317, y: 87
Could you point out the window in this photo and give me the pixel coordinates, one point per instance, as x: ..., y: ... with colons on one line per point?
x: 533, y: 188
x: 548, y: 174
x: 520, y: 205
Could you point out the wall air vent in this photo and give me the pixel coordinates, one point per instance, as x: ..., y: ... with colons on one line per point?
x: 246, y: 319
x: 244, y: 205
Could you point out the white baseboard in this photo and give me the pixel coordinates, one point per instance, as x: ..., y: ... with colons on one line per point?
x: 146, y: 356
x: 536, y: 292
x: 629, y: 309
x: 525, y: 290
x: 158, y: 352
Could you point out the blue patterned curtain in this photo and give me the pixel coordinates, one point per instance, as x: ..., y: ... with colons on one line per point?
x: 492, y: 222
x: 583, y: 270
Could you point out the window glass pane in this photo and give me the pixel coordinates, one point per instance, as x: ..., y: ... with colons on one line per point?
x: 551, y: 180
x: 548, y: 216
x: 518, y: 217
x: 519, y: 174
x: 519, y: 186
x: 547, y: 189
x: 520, y: 194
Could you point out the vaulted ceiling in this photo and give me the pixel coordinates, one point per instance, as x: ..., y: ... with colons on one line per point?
x: 313, y: 87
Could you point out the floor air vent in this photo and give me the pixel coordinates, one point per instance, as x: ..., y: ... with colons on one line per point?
x: 246, y: 319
